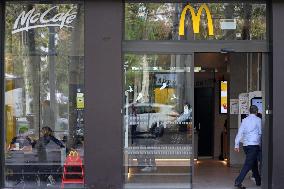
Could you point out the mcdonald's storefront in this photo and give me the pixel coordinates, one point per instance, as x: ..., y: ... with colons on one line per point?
x: 103, y: 94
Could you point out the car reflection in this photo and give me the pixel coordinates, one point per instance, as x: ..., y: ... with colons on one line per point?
x: 148, y: 116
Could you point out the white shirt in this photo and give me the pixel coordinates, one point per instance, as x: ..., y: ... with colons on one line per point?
x: 249, y: 132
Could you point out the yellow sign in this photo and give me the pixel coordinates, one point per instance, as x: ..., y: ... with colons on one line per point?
x: 164, y: 96
x: 80, y: 101
x: 196, y: 19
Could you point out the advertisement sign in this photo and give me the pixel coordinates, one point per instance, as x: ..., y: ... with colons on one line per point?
x: 166, y: 80
x: 244, y: 103
x: 80, y: 100
x: 14, y: 98
x: 234, y: 106
x: 228, y: 24
x: 224, y: 97
x: 165, y: 96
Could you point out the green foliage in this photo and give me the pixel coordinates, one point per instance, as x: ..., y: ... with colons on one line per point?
x: 159, y: 21
x: 16, y: 48
x: 142, y: 21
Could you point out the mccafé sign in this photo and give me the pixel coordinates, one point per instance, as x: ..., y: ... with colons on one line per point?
x: 31, y: 19
x: 196, y: 19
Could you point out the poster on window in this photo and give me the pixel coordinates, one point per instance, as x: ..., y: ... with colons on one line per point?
x: 234, y: 106
x: 244, y: 103
x: 224, y: 97
x: 166, y: 80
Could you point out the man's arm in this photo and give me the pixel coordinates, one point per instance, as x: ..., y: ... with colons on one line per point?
x: 239, y: 137
x: 259, y: 127
x: 58, y: 142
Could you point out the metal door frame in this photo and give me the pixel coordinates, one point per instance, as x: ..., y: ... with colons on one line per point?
x: 191, y: 92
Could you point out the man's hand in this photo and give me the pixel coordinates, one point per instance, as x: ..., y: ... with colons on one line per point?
x: 237, y: 149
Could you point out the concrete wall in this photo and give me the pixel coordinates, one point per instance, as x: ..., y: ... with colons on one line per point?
x: 103, y: 73
x: 278, y: 94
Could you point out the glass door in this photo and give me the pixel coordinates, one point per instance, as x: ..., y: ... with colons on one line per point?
x: 158, y: 119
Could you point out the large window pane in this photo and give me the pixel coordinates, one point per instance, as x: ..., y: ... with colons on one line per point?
x: 158, y: 121
x: 44, y: 94
x: 160, y: 21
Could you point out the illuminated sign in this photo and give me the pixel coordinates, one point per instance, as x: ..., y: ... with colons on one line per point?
x: 31, y: 20
x: 224, y: 97
x: 196, y: 19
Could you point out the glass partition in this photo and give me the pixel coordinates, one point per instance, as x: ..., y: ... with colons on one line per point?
x: 196, y: 21
x: 158, y: 121
x: 44, y: 95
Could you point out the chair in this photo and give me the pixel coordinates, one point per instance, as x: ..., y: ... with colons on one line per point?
x: 73, y: 167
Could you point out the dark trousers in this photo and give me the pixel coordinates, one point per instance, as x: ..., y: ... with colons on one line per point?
x: 251, y: 163
x: 259, y: 158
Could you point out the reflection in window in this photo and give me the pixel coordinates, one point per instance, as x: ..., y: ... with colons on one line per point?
x: 157, y: 121
x: 44, y: 95
x: 160, y: 21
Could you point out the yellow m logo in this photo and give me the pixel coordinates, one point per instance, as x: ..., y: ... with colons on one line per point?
x: 196, y: 19
x: 73, y: 154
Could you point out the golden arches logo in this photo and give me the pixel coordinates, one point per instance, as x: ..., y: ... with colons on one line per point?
x: 73, y: 155
x: 196, y: 19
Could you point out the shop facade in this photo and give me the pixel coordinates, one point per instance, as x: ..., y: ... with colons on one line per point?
x: 66, y: 66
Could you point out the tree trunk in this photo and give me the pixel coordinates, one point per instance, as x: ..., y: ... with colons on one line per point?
x: 247, y: 17
x: 74, y: 75
x: 145, y: 79
x: 31, y: 61
x: 52, y: 75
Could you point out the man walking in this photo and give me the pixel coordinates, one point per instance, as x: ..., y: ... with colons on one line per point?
x: 250, y: 134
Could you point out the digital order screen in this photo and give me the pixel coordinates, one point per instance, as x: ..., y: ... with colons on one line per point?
x: 257, y: 102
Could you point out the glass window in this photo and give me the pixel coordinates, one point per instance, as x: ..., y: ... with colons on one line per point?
x: 44, y: 95
x: 211, y: 21
x: 158, y: 121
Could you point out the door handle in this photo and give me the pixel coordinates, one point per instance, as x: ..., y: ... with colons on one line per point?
x: 198, y: 126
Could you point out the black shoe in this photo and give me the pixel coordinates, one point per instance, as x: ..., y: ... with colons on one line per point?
x: 239, y: 186
x: 258, y: 183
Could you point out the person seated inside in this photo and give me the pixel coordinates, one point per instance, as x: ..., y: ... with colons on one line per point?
x: 48, y: 149
x: 23, y: 141
x: 47, y: 136
x: 47, y: 142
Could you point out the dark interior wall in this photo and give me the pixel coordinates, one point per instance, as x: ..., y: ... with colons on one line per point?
x: 207, y: 79
x: 278, y: 93
x: 103, y: 120
x: 211, y: 79
x: 237, y: 85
